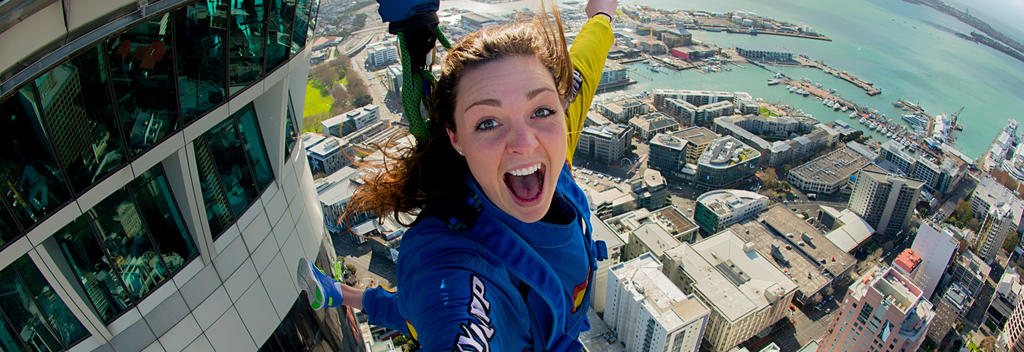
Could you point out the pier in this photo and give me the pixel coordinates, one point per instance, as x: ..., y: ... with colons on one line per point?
x: 868, y: 87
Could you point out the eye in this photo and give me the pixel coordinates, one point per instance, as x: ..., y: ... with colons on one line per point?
x: 486, y: 125
x: 543, y: 112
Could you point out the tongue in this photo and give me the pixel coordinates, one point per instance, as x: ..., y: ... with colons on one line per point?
x: 525, y: 187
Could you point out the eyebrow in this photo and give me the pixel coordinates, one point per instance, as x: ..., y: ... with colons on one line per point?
x: 494, y: 102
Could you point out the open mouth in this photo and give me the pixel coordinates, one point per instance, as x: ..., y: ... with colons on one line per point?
x: 526, y: 184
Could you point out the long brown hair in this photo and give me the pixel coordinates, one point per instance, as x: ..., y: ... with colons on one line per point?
x: 430, y: 178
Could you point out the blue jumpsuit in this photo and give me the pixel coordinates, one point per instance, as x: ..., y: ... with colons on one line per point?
x: 499, y: 284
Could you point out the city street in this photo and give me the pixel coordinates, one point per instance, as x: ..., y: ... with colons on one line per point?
x: 371, y: 266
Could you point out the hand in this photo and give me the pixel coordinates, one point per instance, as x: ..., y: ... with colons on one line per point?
x: 606, y: 6
x: 420, y: 36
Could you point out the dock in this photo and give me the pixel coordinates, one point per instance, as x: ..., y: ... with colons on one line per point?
x: 868, y: 87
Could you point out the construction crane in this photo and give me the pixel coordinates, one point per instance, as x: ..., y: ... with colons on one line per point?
x: 650, y: 37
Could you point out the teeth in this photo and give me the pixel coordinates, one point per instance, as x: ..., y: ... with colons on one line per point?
x: 526, y: 170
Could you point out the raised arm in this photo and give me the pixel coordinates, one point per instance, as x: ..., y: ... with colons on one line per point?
x: 588, y: 53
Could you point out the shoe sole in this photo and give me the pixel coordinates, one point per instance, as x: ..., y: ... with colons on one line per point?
x: 314, y: 291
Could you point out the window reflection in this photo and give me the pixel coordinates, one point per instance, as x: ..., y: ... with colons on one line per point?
x: 80, y: 118
x: 30, y: 181
x: 300, y: 25
x: 290, y: 133
x: 231, y: 183
x: 280, y: 14
x: 94, y: 270
x: 112, y: 247
x: 247, y: 39
x: 141, y: 69
x: 156, y: 204
x: 201, y: 30
x: 44, y: 304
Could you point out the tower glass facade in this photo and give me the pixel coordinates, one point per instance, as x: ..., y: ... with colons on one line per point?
x: 114, y: 201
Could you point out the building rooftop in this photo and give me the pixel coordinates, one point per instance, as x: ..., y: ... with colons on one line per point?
x: 339, y: 186
x: 642, y: 277
x: 609, y: 131
x: 995, y: 194
x: 310, y: 139
x: 669, y: 218
x: 696, y: 135
x: 668, y: 140
x: 599, y: 337
x: 603, y: 232
x: 851, y: 233
x: 896, y: 289
x: 724, y: 201
x: 908, y: 260
x: 796, y: 247
x: 656, y: 238
x: 958, y: 296
x: 974, y: 264
x: 833, y: 167
x: 734, y: 278
x: 326, y: 146
x: 351, y: 114
x: 727, y: 151
x: 885, y: 177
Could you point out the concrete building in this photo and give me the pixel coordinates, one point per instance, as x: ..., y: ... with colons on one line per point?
x: 382, y: 54
x: 950, y: 311
x: 154, y: 197
x: 783, y: 57
x: 1012, y: 337
x: 716, y: 210
x: 828, y: 173
x: 648, y: 238
x: 613, y: 77
x: 882, y: 311
x: 800, y: 138
x: 649, y: 125
x: 669, y: 218
x: 650, y: 189
x: 745, y: 293
x: 603, y: 232
x: 940, y: 175
x: 694, y: 107
x: 799, y: 250
x: 1006, y: 297
x: 607, y: 143
x: 727, y: 161
x: 351, y: 121
x: 991, y: 194
x: 623, y: 110
x: 648, y: 312
x: 334, y: 192
x: 846, y: 230
x: 995, y: 226
x: 608, y: 196
x: 970, y: 271
x: 885, y: 201
x: 329, y: 155
x: 473, y: 22
x: 936, y: 249
x: 669, y: 153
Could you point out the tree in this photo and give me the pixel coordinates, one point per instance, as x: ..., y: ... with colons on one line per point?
x: 362, y: 100
x: 1011, y: 242
x: 988, y: 344
x: 325, y: 74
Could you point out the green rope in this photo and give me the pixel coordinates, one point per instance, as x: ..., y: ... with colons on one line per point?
x: 416, y: 89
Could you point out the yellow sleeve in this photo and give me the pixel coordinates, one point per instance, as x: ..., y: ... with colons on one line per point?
x: 588, y: 53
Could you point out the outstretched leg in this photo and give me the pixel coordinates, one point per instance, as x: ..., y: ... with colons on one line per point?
x: 321, y: 289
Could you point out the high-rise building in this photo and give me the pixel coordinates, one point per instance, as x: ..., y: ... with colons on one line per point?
x: 883, y: 200
x: 648, y: 312
x: 935, y: 250
x: 996, y: 225
x: 745, y: 293
x: 608, y: 143
x: 882, y: 311
x: 1006, y: 297
x: 950, y: 311
x: 970, y: 271
x: 603, y: 232
x: 1012, y: 338
x: 153, y: 198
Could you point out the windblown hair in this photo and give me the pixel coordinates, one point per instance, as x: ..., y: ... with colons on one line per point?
x: 430, y: 178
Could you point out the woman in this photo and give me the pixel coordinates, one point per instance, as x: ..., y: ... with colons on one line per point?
x: 500, y: 256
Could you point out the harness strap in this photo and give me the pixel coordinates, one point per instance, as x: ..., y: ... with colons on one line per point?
x: 416, y: 85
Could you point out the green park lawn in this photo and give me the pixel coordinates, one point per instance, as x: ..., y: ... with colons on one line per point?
x: 315, y: 103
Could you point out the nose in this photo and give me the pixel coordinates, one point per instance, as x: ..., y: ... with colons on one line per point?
x: 522, y: 139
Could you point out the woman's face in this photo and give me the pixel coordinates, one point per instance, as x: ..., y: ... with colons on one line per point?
x: 511, y: 128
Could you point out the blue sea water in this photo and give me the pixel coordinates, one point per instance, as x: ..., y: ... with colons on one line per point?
x: 908, y: 51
